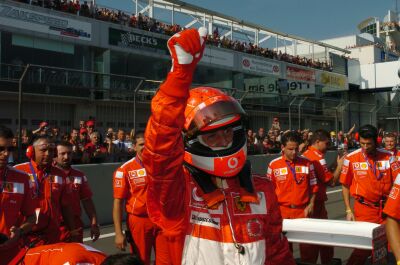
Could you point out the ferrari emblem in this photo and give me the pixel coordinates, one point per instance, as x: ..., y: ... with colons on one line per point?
x: 241, y: 206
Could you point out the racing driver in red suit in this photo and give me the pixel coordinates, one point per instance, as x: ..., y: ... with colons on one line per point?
x: 201, y: 192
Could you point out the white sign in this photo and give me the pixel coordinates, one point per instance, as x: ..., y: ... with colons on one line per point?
x: 260, y: 66
x: 214, y: 56
x: 271, y: 87
x: 42, y: 22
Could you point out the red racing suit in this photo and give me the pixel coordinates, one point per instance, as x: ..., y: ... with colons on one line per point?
x: 196, y: 233
x: 80, y: 190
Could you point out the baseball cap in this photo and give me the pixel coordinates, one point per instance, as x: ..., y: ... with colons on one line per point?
x: 90, y: 123
x: 82, y: 131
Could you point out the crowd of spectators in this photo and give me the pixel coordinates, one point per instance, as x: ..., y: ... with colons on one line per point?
x: 89, y: 145
x: 143, y: 22
x: 93, y: 146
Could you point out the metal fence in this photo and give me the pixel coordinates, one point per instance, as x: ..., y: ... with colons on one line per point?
x: 127, y: 92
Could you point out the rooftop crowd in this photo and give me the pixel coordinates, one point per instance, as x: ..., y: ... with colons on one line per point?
x: 143, y: 22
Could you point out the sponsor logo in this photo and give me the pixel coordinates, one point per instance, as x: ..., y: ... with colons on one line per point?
x: 118, y: 183
x: 361, y: 173
x: 132, y: 174
x: 141, y: 172
x: 275, y: 69
x: 283, y: 171
x: 346, y: 162
x: 254, y: 227
x: 119, y: 175
x: 276, y: 172
x: 363, y: 165
x: 394, y: 193
x: 241, y: 206
x: 233, y: 162
x: 204, y: 219
x: 195, y: 196
x: 246, y: 63
x: 356, y: 165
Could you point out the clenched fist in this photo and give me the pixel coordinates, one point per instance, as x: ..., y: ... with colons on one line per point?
x: 186, y: 48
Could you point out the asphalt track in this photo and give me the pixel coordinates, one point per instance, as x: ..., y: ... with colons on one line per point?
x: 334, y: 206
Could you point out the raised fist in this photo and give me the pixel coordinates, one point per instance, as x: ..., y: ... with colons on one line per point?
x: 186, y: 49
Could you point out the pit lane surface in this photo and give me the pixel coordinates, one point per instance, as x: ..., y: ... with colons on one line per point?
x: 334, y: 206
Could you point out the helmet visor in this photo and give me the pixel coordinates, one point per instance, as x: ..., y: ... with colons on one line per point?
x: 207, y: 115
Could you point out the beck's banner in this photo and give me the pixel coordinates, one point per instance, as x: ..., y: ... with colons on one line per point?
x: 27, y: 19
x: 260, y: 66
x: 300, y: 74
x: 332, y: 82
x: 137, y: 41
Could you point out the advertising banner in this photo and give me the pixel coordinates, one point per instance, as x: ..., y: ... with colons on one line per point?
x: 332, y: 82
x: 215, y: 56
x: 300, y: 74
x: 260, y: 66
x: 271, y: 87
x: 27, y: 19
x: 134, y: 40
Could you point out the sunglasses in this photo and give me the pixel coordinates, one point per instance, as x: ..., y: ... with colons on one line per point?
x: 7, y: 148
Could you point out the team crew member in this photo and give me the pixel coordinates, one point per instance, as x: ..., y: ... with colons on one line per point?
x: 390, y: 145
x: 294, y: 180
x: 130, y: 185
x: 201, y: 191
x: 15, y: 200
x: 393, y: 219
x: 80, y: 192
x: 48, y: 183
x: 61, y: 253
x: 320, y: 141
x: 367, y: 175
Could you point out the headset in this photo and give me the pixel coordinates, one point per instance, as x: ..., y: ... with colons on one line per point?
x: 30, y: 152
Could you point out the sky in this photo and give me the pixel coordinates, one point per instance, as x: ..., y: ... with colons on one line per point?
x: 311, y: 19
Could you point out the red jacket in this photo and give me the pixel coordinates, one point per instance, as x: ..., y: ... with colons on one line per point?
x: 321, y: 171
x: 367, y: 177
x: 175, y: 204
x: 130, y: 184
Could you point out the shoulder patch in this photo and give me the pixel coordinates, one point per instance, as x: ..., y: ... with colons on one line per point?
x: 119, y: 174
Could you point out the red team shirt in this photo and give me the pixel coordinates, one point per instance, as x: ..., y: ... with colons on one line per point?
x: 130, y: 184
x: 15, y: 198
x: 368, y: 179
x: 301, y: 184
x: 392, y: 207
x: 321, y: 170
x: 80, y: 190
x: 52, y: 188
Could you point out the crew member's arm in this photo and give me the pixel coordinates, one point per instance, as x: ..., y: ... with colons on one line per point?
x: 393, y: 235
x: 120, y: 241
x: 393, y: 217
x: 121, y: 192
x: 346, y: 200
x: 164, y: 151
x: 338, y: 170
x: 346, y: 179
x: 308, y: 211
x: 90, y: 210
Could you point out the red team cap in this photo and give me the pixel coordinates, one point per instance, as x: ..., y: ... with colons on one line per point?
x: 90, y: 123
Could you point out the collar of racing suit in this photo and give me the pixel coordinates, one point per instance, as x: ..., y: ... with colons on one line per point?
x: 213, y: 195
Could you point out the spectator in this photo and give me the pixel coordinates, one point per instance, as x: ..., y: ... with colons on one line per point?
x: 94, y: 151
x: 90, y: 126
x: 260, y: 136
x: 42, y: 130
x: 77, y: 146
